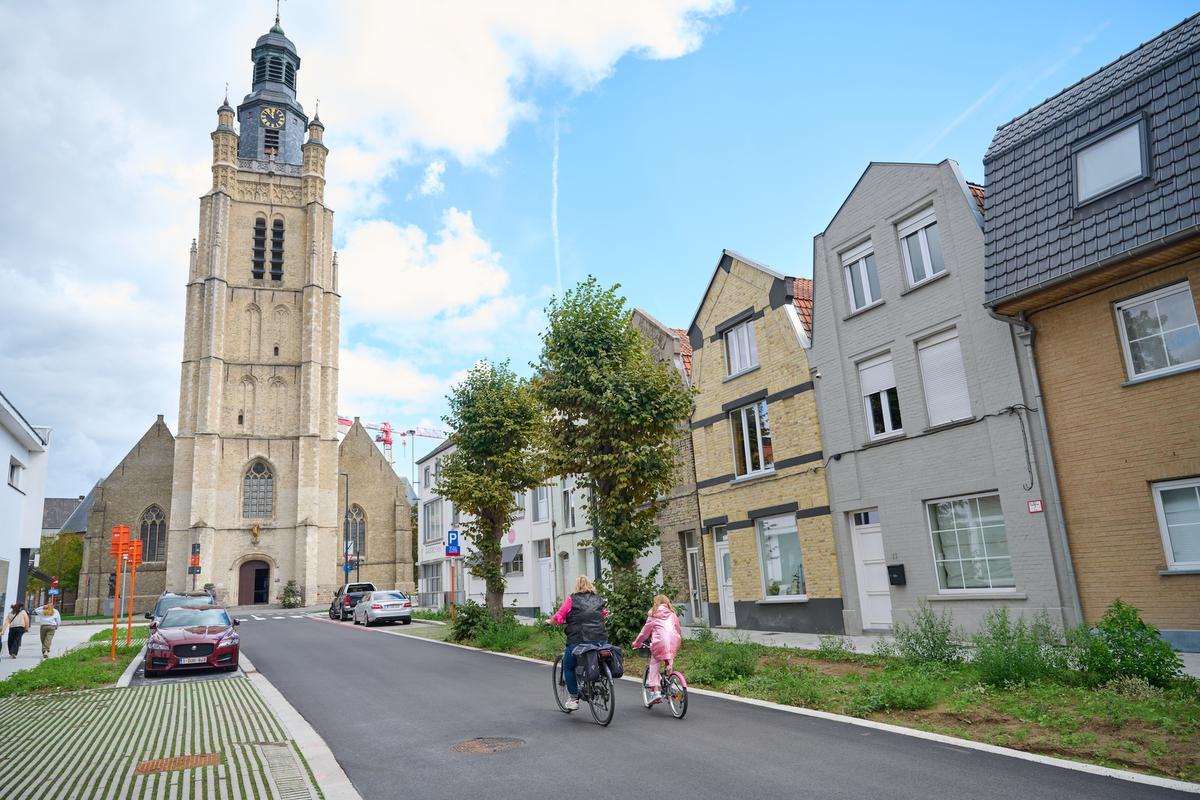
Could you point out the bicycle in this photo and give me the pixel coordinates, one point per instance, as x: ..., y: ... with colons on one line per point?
x: 672, y: 687
x: 599, y: 694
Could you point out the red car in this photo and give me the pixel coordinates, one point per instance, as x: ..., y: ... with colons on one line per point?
x: 193, y: 637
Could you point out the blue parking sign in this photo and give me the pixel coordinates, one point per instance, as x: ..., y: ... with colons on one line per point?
x: 452, y: 548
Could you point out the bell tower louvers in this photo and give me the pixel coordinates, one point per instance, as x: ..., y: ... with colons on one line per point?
x: 255, y: 476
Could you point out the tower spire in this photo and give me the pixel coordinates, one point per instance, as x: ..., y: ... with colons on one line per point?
x: 277, y: 27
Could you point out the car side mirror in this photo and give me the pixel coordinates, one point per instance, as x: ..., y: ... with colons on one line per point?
x: 149, y: 615
x: 237, y: 622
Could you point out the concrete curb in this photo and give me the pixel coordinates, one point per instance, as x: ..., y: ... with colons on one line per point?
x: 1077, y: 766
x: 130, y: 670
x: 329, y: 775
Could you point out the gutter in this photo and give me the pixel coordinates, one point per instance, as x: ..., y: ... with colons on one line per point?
x: 1026, y: 334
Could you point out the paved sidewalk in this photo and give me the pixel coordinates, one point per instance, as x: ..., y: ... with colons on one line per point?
x: 68, y: 638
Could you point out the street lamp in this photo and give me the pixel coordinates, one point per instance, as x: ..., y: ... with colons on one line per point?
x: 346, y: 531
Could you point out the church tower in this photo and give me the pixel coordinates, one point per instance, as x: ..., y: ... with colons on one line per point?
x: 255, y: 481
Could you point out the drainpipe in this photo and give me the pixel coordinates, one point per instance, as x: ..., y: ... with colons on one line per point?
x: 1026, y: 334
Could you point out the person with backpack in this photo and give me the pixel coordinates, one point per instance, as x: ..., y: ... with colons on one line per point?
x: 663, y: 632
x: 583, y: 613
x: 49, y: 621
x: 16, y: 622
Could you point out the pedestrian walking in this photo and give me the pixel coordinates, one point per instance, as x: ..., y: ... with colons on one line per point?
x: 16, y: 622
x: 50, y: 620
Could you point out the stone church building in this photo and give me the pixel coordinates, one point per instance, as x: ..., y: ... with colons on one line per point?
x: 256, y: 477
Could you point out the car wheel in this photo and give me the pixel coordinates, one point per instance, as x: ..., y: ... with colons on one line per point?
x: 406, y: 621
x: 342, y: 615
x: 367, y: 622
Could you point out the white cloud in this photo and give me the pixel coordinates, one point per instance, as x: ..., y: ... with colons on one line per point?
x: 431, y: 181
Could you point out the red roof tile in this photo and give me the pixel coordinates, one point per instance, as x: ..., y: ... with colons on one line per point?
x: 977, y: 192
x: 685, y: 349
x: 803, y: 299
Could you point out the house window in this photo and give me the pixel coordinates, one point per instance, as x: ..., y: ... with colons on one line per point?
x: 541, y: 504
x: 431, y: 521
x: 258, y: 255
x: 154, y: 535
x: 1178, y: 506
x: 741, y: 353
x: 431, y: 584
x: 970, y: 546
x: 752, y: 450
x: 426, y: 477
x: 515, y: 565
x: 1159, y: 333
x: 519, y: 502
x: 1110, y: 162
x: 568, y: 509
x: 862, y: 280
x: 14, y: 473
x: 945, y: 379
x: 543, y: 548
x: 880, y: 399
x: 277, y: 250
x: 354, y: 531
x: 921, y: 248
x: 258, y: 491
x: 782, y: 563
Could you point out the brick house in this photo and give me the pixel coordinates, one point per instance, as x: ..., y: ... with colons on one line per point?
x: 768, y: 543
x: 1093, y: 251
x: 934, y: 455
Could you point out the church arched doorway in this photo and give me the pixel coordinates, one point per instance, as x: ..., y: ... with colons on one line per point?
x: 254, y: 583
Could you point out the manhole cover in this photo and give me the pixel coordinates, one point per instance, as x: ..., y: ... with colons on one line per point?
x: 179, y: 762
x: 487, y: 744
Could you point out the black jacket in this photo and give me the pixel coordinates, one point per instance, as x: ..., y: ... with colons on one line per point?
x: 585, y: 620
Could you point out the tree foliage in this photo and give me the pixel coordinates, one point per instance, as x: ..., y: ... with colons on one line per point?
x: 60, y: 555
x: 498, y: 438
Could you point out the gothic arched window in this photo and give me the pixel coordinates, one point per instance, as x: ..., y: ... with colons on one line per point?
x: 154, y: 535
x: 277, y: 250
x: 258, y: 491
x: 355, y: 531
x: 258, y: 255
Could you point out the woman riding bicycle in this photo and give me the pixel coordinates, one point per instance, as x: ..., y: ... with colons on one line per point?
x: 583, y: 613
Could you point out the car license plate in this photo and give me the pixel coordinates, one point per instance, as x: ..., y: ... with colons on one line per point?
x: 193, y: 660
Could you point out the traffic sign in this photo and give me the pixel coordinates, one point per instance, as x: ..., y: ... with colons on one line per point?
x: 451, y: 538
x: 53, y: 592
x: 347, y: 568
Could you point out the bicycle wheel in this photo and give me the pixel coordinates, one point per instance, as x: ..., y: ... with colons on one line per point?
x: 602, y: 699
x: 646, y: 688
x: 677, y: 696
x: 560, y: 686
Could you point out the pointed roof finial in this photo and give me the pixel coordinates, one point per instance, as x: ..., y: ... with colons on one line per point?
x: 317, y: 110
x: 277, y: 28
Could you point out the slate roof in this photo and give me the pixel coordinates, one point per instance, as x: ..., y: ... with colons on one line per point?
x: 78, y: 521
x: 56, y: 511
x: 1034, y: 233
x: 803, y: 298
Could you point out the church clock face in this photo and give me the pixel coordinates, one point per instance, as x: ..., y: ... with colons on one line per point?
x: 271, y: 118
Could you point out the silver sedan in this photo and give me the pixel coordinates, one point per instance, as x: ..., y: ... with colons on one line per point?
x: 373, y: 607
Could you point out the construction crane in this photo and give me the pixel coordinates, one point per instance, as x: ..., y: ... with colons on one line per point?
x: 386, y: 433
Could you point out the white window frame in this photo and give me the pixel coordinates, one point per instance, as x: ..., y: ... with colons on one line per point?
x: 934, y: 551
x: 762, y: 560
x: 15, y: 468
x: 1184, y: 287
x: 519, y: 502
x: 885, y: 402
x: 932, y: 341
x: 1168, y: 548
x: 856, y: 259
x: 541, y: 503
x: 916, y: 226
x: 745, y: 443
x: 1089, y: 144
x: 741, y: 349
x: 433, y: 532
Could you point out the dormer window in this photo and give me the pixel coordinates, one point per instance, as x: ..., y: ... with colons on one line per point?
x: 1110, y: 160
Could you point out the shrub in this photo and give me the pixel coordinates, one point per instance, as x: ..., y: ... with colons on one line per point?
x: 1014, y: 652
x: 717, y: 662
x: 290, y: 596
x: 835, y: 648
x: 704, y: 634
x: 892, y: 694
x: 793, y: 686
x: 930, y: 638
x: 628, y: 595
x: 1133, y: 687
x: 503, y: 633
x: 467, y: 620
x: 1123, y: 645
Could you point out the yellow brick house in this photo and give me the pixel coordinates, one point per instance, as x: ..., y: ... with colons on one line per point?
x: 767, y: 536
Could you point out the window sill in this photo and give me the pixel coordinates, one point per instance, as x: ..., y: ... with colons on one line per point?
x: 728, y: 378
x: 1180, y: 571
x: 862, y: 310
x: 937, y: 598
x: 794, y: 598
x: 1164, y: 374
x: 891, y: 437
x: 954, y: 423
x: 925, y: 282
x: 752, y: 476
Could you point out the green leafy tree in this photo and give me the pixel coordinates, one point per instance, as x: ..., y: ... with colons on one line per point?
x: 498, y: 431
x: 614, y: 415
x: 60, y: 555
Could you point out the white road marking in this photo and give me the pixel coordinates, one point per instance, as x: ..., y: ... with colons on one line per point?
x: 278, y: 617
x: 256, y: 616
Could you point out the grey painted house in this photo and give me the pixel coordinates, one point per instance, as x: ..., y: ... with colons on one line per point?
x: 934, y: 458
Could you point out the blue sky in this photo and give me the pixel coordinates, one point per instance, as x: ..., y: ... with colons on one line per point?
x: 684, y: 127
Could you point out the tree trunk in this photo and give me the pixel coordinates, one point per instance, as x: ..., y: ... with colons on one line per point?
x: 494, y: 596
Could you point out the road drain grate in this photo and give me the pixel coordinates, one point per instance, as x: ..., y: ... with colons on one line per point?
x: 178, y: 762
x: 487, y: 744
x: 289, y: 778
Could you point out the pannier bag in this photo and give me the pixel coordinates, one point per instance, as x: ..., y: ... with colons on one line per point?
x: 587, y: 662
x: 616, y: 662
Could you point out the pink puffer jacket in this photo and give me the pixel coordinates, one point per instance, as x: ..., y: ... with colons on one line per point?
x: 663, y: 631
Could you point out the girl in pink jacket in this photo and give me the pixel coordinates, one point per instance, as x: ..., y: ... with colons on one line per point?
x: 664, y: 634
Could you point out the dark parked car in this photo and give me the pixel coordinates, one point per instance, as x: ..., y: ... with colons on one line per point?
x: 193, y: 637
x: 169, y: 600
x: 346, y: 598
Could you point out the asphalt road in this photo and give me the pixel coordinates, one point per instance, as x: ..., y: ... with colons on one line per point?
x: 391, y: 707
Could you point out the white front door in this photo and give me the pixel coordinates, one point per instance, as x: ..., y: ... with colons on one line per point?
x: 725, y: 582
x: 547, y: 583
x: 870, y: 565
x: 693, y: 576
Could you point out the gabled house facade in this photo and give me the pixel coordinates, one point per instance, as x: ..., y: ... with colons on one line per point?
x: 1093, y: 253
x: 936, y: 468
x: 768, y: 544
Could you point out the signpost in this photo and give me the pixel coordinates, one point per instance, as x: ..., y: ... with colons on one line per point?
x: 135, y: 558
x: 120, y: 551
x: 194, y: 564
x: 452, y: 551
